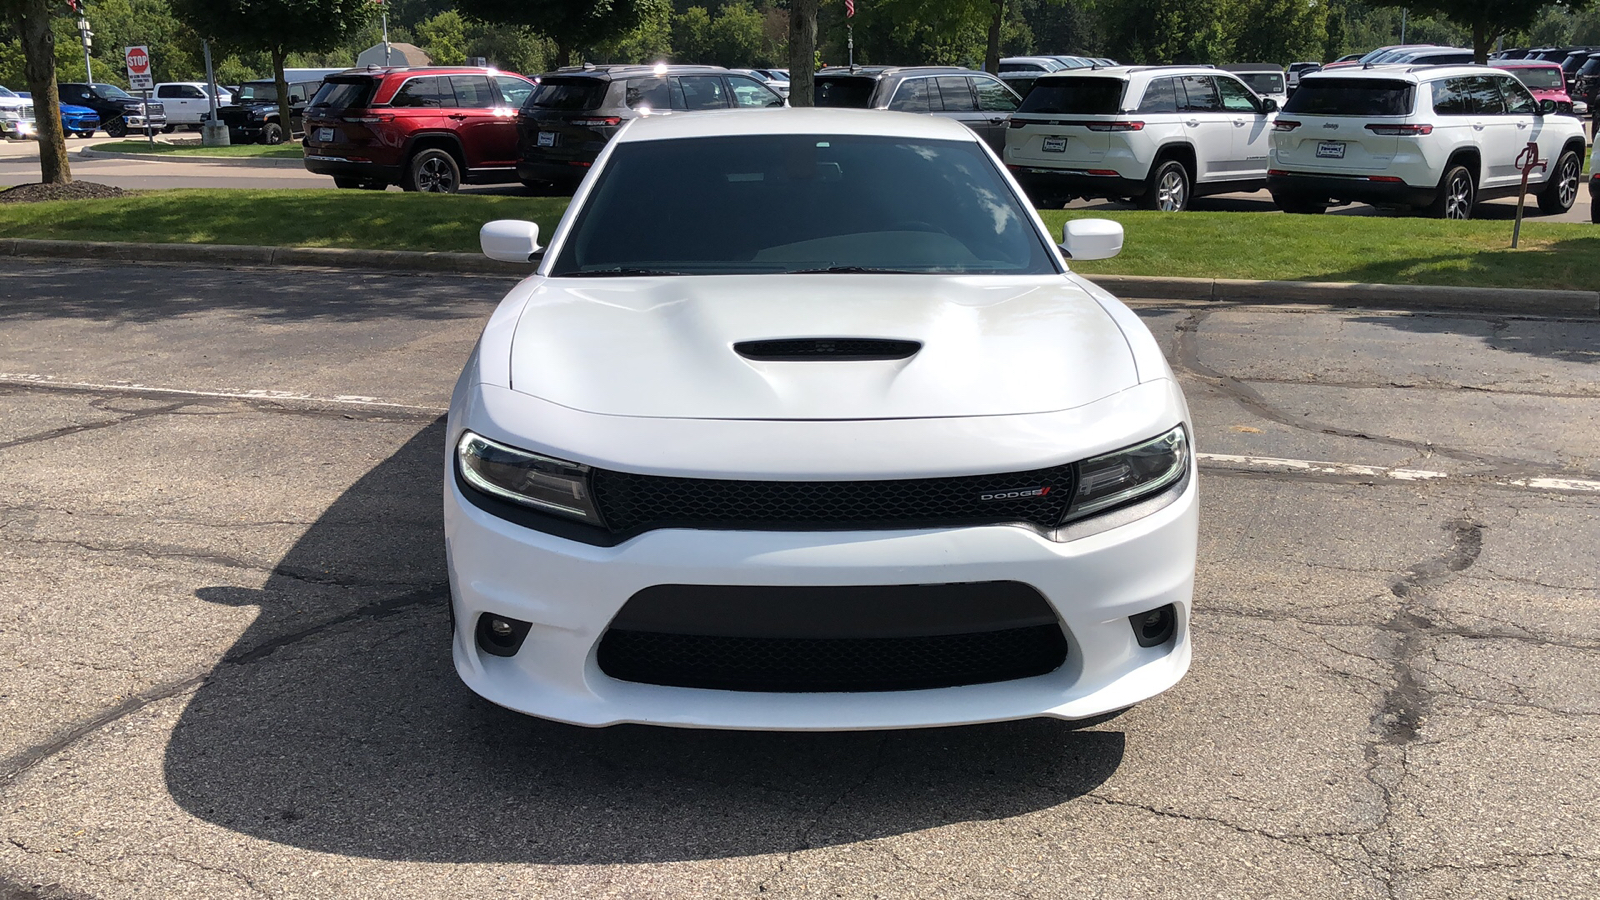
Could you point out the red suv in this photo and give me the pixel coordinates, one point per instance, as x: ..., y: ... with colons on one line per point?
x: 425, y: 129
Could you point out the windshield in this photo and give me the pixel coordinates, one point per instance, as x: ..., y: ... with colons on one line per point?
x: 801, y: 203
x: 1352, y: 97
x: 1541, y: 79
x: 257, y: 91
x: 6, y: 93
x: 113, y: 92
x: 571, y: 94
x: 847, y: 92
x: 1263, y: 82
x: 1077, y: 96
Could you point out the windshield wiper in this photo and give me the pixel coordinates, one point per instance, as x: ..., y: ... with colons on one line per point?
x: 616, y: 271
x: 851, y: 270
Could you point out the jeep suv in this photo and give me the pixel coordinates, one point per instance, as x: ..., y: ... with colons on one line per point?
x: 254, y: 113
x: 575, y: 111
x: 425, y: 129
x: 977, y: 100
x: 1438, y: 138
x: 1157, y: 135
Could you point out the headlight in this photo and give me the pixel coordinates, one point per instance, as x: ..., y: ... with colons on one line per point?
x: 540, y: 482
x: 1137, y: 471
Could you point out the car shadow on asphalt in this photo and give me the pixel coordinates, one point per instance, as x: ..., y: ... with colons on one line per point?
x: 356, y: 738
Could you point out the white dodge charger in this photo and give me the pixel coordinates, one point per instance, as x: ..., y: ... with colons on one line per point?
x: 804, y: 423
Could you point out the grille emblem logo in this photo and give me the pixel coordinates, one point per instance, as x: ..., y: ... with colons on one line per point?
x: 1018, y: 494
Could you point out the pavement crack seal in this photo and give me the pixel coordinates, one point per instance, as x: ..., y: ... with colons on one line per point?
x: 68, y: 430
x: 296, y: 402
x: 15, y: 765
x: 1186, y: 354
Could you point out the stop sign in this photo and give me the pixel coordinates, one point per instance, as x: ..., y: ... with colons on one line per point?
x: 138, y: 60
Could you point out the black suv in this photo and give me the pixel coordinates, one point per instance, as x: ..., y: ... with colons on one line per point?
x: 575, y: 111
x: 253, y: 115
x: 119, y: 111
x: 978, y: 100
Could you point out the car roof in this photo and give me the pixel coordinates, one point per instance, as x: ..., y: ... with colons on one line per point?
x: 1411, y: 72
x: 800, y: 120
x: 590, y: 70
x: 422, y: 70
x: 1129, y: 71
x: 1251, y: 67
x: 885, y: 71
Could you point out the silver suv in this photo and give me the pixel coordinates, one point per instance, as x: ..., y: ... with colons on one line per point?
x: 1158, y: 135
x: 1436, y: 138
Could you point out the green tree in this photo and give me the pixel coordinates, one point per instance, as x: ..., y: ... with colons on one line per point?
x: 1280, y: 31
x: 444, y: 38
x: 691, y: 35
x: 1488, y: 20
x: 649, y: 41
x: 572, y: 24
x: 279, y: 27
x: 32, y: 20
x: 1168, y: 31
x: 736, y: 38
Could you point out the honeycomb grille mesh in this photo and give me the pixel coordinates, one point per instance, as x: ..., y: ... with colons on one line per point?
x: 796, y: 665
x: 630, y: 502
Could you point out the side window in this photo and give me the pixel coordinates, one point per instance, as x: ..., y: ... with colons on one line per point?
x: 418, y: 93
x: 190, y: 92
x: 703, y: 92
x: 1450, y: 97
x: 1160, y: 96
x: 749, y: 93
x: 647, y: 94
x: 1484, y: 96
x: 1518, y: 101
x: 911, y: 95
x: 514, y: 90
x: 167, y: 92
x: 993, y: 96
x: 1235, y: 96
x: 1200, y: 94
x: 957, y: 94
x: 473, y: 92
x: 298, y: 93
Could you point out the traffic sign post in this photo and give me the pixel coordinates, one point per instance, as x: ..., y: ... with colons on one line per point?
x: 140, y: 79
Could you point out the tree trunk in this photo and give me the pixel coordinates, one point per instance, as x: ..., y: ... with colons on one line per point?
x: 563, y: 55
x: 802, y: 51
x: 991, y: 59
x: 1481, y: 39
x: 281, y: 82
x: 39, y: 67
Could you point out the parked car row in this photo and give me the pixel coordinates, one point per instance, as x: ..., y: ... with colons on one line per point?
x: 1433, y: 138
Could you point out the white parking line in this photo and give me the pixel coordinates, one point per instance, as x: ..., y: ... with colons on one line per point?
x: 1209, y: 460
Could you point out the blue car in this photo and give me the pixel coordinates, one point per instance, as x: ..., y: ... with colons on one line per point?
x: 79, y: 120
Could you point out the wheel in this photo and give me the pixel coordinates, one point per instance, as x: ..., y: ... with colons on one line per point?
x: 272, y: 133
x: 1561, y: 191
x: 117, y: 127
x: 1457, y: 194
x: 432, y: 171
x: 347, y: 184
x: 1168, y: 188
x: 373, y: 184
x: 86, y: 134
x: 1300, y: 204
x: 169, y: 129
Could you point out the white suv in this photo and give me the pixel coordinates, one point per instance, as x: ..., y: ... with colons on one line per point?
x: 1158, y: 135
x: 1439, y: 138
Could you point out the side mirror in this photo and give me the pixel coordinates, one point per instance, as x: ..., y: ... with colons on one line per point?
x: 1269, y: 105
x: 1547, y: 107
x: 510, y: 240
x: 1083, y: 239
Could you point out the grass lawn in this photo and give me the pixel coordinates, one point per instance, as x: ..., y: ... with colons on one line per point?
x: 254, y: 151
x: 1194, y: 244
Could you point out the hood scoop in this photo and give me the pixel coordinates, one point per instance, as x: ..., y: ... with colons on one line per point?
x: 826, y: 349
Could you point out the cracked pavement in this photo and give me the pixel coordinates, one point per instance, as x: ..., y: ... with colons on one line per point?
x: 223, y: 633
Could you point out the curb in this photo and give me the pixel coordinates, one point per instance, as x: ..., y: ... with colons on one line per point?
x: 1424, y: 298
x: 91, y: 153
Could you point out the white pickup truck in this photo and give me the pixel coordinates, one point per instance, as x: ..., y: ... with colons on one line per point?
x: 188, y: 103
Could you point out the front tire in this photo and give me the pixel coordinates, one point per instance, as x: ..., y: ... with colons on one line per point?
x: 1562, y: 190
x: 272, y: 133
x: 432, y: 171
x: 1168, y: 189
x: 1458, y: 193
x: 117, y: 127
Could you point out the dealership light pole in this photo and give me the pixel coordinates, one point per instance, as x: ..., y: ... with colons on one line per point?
x: 88, y: 43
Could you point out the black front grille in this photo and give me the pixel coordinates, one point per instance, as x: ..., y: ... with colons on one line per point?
x: 831, y: 664
x: 826, y: 349
x: 630, y: 502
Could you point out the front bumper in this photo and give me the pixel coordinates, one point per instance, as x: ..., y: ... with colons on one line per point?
x: 572, y: 591
x: 18, y: 128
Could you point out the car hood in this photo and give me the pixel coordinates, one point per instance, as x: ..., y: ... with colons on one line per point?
x: 71, y: 110
x: 14, y: 102
x: 664, y: 347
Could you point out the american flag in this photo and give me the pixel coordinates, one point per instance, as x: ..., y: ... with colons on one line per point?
x: 849, y: 8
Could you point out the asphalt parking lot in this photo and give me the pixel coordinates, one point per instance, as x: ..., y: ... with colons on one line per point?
x: 226, y: 673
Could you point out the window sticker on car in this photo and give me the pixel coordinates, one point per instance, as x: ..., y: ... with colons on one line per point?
x: 1055, y: 144
x: 547, y: 138
x: 1330, y: 150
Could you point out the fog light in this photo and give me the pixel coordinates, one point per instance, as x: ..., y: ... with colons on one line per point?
x: 1156, y: 627
x: 499, y: 635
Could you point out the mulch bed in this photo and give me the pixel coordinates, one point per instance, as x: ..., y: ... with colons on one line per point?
x: 77, y: 190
